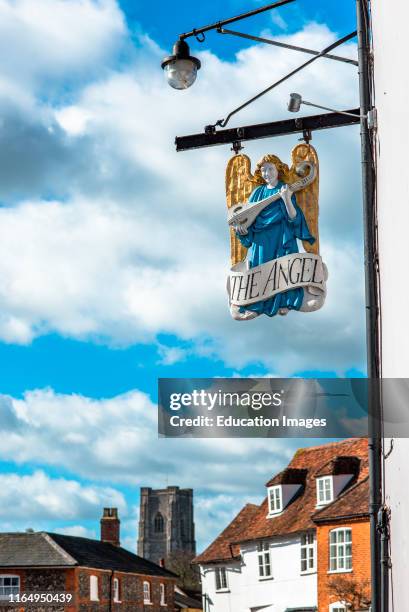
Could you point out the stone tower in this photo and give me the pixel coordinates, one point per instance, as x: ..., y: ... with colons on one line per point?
x: 166, y: 523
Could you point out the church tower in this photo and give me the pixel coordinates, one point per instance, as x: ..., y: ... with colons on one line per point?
x: 166, y: 523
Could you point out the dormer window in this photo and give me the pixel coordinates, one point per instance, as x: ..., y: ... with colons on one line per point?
x: 325, y: 490
x: 334, y: 476
x: 283, y: 488
x: 275, y: 500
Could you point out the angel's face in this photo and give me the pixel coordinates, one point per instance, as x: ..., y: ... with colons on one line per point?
x: 269, y: 173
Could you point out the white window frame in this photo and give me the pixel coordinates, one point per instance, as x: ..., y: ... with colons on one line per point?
x: 327, y: 492
x: 309, y: 546
x: 162, y: 594
x: 338, y: 606
x: 341, y: 543
x: 147, y: 592
x: 264, y: 560
x: 220, y: 579
x: 275, y: 499
x: 116, y: 590
x: 93, y: 588
x: 12, y: 589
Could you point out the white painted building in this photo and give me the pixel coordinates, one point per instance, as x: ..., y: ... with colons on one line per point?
x: 243, y: 589
x: 266, y: 559
x: 390, y: 37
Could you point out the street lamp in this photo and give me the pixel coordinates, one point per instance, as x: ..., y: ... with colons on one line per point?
x: 296, y: 100
x: 181, y: 68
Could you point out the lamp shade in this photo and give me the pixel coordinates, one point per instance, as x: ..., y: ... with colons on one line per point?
x: 294, y: 103
x: 181, y: 68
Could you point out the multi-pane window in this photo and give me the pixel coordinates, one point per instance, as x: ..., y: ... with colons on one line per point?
x: 264, y: 560
x: 324, y: 490
x: 340, y: 550
x: 93, y: 588
x: 116, y: 589
x: 337, y: 607
x: 307, y: 552
x: 162, y: 594
x: 146, y: 592
x: 275, y: 502
x: 221, y: 578
x: 9, y: 585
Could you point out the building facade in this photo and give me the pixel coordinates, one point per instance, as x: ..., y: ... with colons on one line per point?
x: 100, y: 576
x: 308, y: 538
x: 166, y: 523
x: 392, y: 188
x: 343, y: 538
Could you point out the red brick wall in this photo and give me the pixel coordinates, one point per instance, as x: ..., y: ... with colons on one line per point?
x: 361, y: 562
x: 77, y: 581
x: 130, y: 592
x: 43, y: 580
x: 110, y: 527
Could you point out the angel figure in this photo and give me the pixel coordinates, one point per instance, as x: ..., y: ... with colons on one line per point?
x: 275, y: 230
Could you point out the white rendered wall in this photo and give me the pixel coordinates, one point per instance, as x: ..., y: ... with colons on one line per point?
x: 286, y: 589
x: 391, y: 56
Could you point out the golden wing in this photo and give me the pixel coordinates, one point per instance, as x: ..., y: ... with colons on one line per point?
x: 307, y: 198
x: 239, y: 185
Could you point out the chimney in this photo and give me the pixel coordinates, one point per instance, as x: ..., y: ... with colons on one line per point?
x: 162, y: 562
x: 110, y: 526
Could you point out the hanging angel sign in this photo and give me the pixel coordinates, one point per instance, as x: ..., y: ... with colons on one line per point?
x: 271, y: 213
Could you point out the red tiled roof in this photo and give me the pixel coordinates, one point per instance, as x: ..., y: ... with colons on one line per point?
x: 252, y: 522
x: 352, y: 503
x: 288, y: 476
x: 221, y: 549
x: 340, y: 465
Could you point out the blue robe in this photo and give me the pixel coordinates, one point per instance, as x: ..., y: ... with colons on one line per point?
x: 273, y: 234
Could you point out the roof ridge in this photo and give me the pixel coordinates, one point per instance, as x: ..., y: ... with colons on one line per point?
x: 307, y: 449
x: 102, y: 543
x: 49, y: 539
x: 73, y: 537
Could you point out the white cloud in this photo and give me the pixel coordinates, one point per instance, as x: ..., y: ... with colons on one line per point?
x: 137, y: 245
x: 115, y: 440
x: 56, y: 39
x: 38, y: 496
x: 279, y: 21
x: 79, y: 531
x: 170, y: 355
x: 213, y: 514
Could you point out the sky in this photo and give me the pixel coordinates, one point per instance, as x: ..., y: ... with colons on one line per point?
x: 114, y: 251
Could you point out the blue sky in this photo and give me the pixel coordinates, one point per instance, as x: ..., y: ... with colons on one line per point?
x: 102, y: 228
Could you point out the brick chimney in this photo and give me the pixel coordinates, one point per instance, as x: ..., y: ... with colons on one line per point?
x: 110, y: 526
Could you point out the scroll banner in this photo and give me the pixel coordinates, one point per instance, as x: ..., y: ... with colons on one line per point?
x: 247, y: 286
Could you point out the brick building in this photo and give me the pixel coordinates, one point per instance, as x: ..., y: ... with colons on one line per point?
x: 101, y: 575
x: 306, y: 547
x: 346, y: 519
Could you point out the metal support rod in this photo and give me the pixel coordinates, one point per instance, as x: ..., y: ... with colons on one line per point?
x: 337, y: 43
x: 266, y: 130
x: 276, y: 43
x: 372, y: 311
x: 220, y: 24
x: 333, y: 110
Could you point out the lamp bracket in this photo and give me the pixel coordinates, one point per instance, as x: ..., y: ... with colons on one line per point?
x: 236, y: 146
x: 306, y: 136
